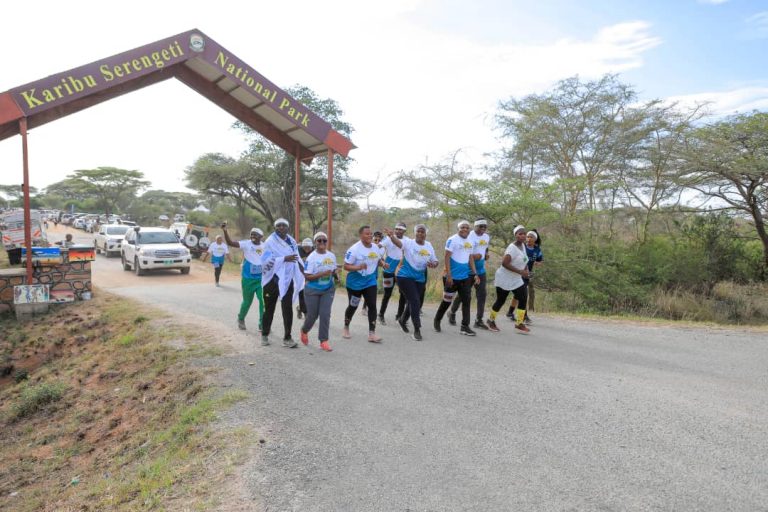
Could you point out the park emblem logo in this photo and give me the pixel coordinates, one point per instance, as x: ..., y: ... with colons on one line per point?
x: 373, y: 255
x: 423, y: 253
x: 327, y: 262
x: 482, y: 242
x: 467, y: 245
x: 196, y: 43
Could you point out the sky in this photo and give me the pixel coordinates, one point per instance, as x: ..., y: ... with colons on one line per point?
x: 417, y: 79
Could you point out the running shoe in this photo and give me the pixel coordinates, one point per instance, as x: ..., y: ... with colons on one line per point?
x: 325, y: 346
x: 452, y: 318
x: 289, y: 342
x: 304, y: 338
x: 417, y: 335
x: 345, y: 333
x: 466, y: 331
x: 381, y: 320
x: 241, y: 324
x: 373, y: 338
x: 527, y: 320
x: 492, y: 326
x: 479, y: 324
x: 264, y: 340
x: 522, y: 328
x: 403, y: 325
x: 436, y: 325
x: 511, y: 314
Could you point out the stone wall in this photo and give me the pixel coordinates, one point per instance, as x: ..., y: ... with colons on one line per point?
x: 74, y: 277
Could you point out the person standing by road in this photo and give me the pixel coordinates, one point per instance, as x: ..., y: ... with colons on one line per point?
x: 509, y: 278
x: 362, y: 261
x: 284, y: 279
x: 250, y: 281
x: 218, y: 251
x: 319, y: 290
x: 481, y: 241
x: 458, y: 278
x: 418, y: 255
x: 393, y: 256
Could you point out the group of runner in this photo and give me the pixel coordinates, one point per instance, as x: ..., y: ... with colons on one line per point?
x: 280, y: 270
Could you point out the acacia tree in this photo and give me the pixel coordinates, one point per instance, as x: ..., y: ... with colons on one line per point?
x: 113, y: 188
x: 728, y: 161
x: 579, y: 135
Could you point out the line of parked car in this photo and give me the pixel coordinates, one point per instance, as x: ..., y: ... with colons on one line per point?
x: 147, y: 248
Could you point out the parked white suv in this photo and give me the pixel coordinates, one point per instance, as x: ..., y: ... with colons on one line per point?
x: 110, y: 238
x: 152, y: 248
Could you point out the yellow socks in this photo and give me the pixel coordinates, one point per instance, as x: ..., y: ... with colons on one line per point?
x: 519, y: 316
x: 492, y: 316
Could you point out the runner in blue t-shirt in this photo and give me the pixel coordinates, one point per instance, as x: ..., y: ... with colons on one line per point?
x: 460, y: 274
x: 362, y: 261
x: 219, y: 251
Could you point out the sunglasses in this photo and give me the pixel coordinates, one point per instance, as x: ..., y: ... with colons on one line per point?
x: 321, y: 241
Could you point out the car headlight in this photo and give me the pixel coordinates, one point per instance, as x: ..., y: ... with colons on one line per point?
x: 145, y: 252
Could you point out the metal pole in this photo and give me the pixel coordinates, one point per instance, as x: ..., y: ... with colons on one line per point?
x: 298, y: 196
x: 330, y: 198
x: 27, y: 207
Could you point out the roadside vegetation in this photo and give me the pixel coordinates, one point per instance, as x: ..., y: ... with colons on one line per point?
x: 105, y: 406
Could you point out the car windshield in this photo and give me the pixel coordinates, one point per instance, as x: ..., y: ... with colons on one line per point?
x: 157, y: 238
x: 117, y: 230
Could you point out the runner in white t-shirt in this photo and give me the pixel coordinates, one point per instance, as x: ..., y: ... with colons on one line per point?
x: 218, y: 251
x: 393, y: 256
x: 481, y: 240
x: 250, y: 282
x: 509, y: 278
x: 361, y: 262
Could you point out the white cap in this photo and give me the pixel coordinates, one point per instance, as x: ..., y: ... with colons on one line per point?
x: 282, y: 221
x: 319, y: 234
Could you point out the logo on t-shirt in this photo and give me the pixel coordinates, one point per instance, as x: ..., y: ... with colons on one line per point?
x: 373, y: 255
x: 467, y: 245
x: 423, y: 252
x: 482, y: 242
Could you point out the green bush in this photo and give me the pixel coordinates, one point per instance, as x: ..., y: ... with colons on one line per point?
x: 34, y: 398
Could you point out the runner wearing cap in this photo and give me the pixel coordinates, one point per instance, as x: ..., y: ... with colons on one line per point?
x: 283, y: 278
x: 510, y: 278
x: 393, y: 256
x: 362, y: 261
x: 459, y: 271
x: 319, y: 290
x: 481, y: 241
x: 250, y: 281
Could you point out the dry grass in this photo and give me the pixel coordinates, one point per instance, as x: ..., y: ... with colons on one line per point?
x: 109, y: 417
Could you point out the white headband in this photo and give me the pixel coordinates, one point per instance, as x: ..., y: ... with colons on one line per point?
x: 257, y: 230
x: 462, y: 223
x: 417, y: 226
x: 518, y: 228
x: 481, y: 222
x: 320, y: 234
x: 281, y: 221
x: 533, y: 234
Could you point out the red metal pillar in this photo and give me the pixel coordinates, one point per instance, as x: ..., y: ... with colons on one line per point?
x: 297, y: 218
x: 27, y: 206
x: 330, y: 198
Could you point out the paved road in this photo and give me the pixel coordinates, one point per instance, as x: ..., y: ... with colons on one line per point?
x: 580, y: 415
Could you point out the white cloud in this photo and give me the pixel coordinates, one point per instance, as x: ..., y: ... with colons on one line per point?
x: 713, y: 2
x: 723, y: 103
x: 757, y: 26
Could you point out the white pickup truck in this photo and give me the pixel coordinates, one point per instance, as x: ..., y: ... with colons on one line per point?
x: 12, y: 227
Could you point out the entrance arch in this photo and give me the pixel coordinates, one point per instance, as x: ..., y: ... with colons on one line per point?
x: 200, y: 63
